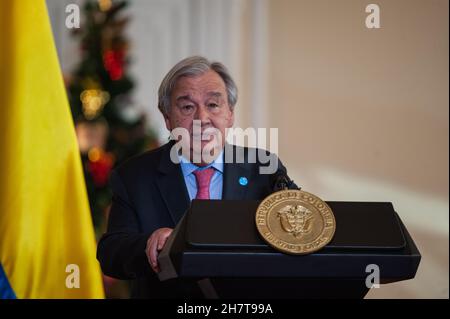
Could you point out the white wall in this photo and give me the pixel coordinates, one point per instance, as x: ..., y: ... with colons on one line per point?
x: 363, y: 114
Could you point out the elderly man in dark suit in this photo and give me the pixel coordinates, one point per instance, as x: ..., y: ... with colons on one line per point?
x: 152, y: 191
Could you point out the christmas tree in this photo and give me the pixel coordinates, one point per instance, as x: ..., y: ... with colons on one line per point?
x: 108, y: 128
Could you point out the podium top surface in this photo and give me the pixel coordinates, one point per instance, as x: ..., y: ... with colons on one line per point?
x: 359, y: 225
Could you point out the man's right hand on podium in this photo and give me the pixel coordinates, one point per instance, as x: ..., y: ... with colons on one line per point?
x: 155, y: 244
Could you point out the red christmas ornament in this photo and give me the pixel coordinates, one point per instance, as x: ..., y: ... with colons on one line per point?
x: 100, y: 165
x: 113, y: 62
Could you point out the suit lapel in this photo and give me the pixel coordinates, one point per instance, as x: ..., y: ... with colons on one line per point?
x: 172, y: 186
x: 233, y: 172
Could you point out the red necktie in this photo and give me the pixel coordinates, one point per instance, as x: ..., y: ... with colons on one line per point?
x: 203, y: 178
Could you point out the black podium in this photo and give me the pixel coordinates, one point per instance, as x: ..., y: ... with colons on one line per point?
x: 217, y: 243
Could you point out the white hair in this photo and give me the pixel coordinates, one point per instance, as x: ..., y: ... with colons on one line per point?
x: 194, y: 66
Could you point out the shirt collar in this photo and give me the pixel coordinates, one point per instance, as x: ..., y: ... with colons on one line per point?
x: 187, y: 167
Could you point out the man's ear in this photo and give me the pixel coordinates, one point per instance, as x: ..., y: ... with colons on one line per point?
x: 167, y: 120
x: 231, y: 118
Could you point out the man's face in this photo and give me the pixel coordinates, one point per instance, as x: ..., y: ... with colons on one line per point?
x: 201, y: 98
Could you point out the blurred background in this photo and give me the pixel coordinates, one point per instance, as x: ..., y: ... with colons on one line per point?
x: 362, y: 113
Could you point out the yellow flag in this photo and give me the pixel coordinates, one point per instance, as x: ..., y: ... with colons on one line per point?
x: 47, y: 242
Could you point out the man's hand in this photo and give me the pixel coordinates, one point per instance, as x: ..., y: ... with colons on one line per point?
x: 155, y: 244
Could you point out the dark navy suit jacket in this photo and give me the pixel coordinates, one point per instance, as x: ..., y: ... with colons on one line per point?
x: 149, y: 192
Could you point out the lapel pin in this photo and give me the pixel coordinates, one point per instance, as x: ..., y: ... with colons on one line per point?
x: 243, y: 181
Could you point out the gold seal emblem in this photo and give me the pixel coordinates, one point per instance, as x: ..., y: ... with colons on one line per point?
x: 295, y: 221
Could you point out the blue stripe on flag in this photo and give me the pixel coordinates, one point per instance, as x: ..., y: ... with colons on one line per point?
x: 6, y: 291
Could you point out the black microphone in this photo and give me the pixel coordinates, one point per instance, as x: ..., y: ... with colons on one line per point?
x: 281, y: 181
